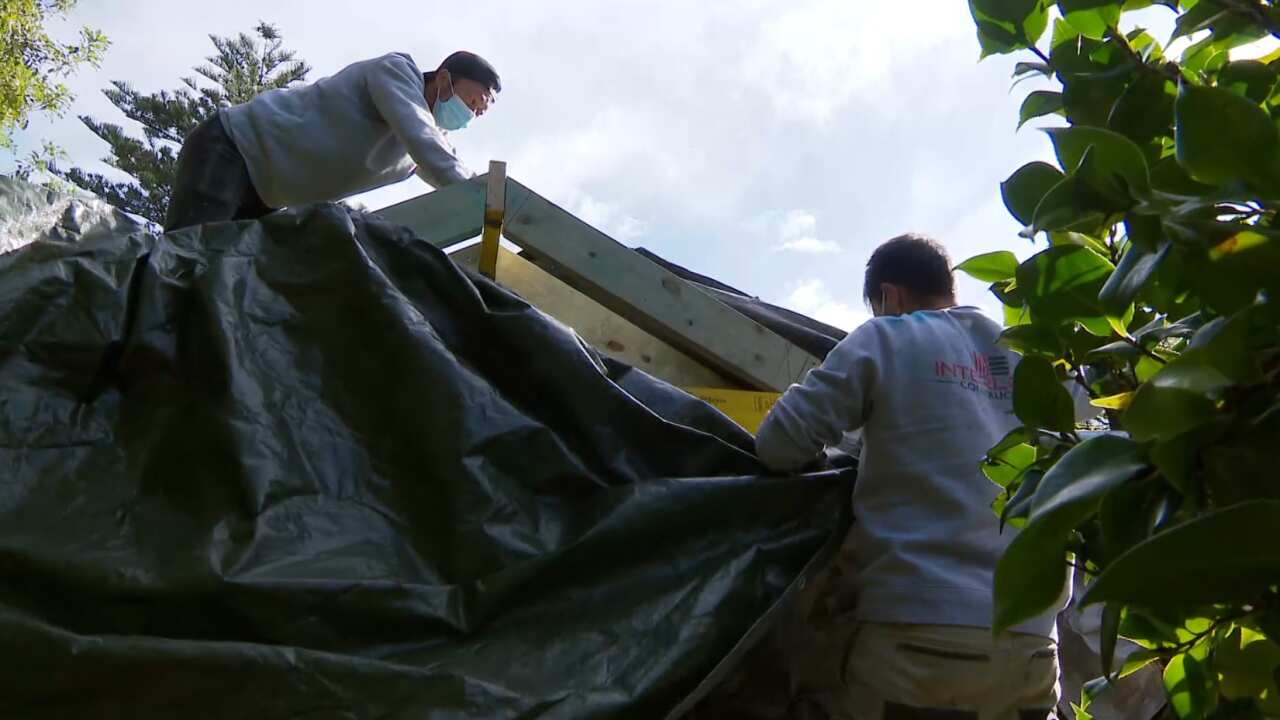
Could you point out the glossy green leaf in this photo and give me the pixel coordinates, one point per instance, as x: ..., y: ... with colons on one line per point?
x: 1039, y: 104
x: 1168, y: 176
x: 1145, y: 629
x: 1240, y: 265
x: 1226, y: 556
x: 1125, y: 517
x: 990, y: 267
x: 995, y: 39
x: 1144, y: 230
x: 1191, y: 686
x: 1076, y: 484
x: 1109, y: 632
x: 1091, y: 17
x: 1242, y: 467
x: 1206, y: 56
x: 1015, y: 316
x: 1026, y: 187
x: 1039, y: 399
x: 1024, y: 69
x: 1020, y: 504
x: 1247, y: 660
x: 1115, y: 153
x: 1135, y: 269
x: 1177, y: 458
x: 1006, y: 462
x: 1224, y: 345
x: 1143, y: 43
x: 1175, y: 400
x: 1070, y: 237
x: 1101, y: 188
x: 1146, y: 368
x: 1119, y: 401
x: 1249, y: 79
x: 1223, y: 138
x: 1033, y: 339
x: 1145, y: 109
x: 1063, y: 282
x: 1062, y: 208
x: 1007, y: 25
x: 1093, y: 74
x: 1032, y: 573
x: 1063, y: 34
x: 1092, y: 689
x: 1197, y: 18
x: 1137, y: 660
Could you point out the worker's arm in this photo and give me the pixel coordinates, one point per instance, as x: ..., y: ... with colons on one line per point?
x: 833, y: 399
x: 396, y: 88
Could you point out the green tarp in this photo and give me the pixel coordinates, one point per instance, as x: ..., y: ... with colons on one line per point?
x: 309, y: 468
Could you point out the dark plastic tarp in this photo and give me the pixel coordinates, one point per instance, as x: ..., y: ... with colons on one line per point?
x: 308, y: 468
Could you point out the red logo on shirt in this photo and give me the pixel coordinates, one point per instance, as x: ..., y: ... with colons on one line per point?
x: 982, y: 374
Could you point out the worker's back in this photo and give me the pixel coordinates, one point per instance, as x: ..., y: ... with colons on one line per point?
x: 350, y: 132
x: 932, y: 391
x: 925, y: 540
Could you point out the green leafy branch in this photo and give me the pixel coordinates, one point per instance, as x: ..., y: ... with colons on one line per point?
x: 1153, y: 291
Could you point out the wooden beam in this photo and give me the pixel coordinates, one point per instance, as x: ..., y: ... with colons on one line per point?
x: 646, y: 294
x: 494, y: 208
x: 444, y: 217
x: 602, y: 328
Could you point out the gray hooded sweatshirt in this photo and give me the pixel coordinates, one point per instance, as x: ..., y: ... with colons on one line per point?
x: 932, y: 393
x: 365, y: 127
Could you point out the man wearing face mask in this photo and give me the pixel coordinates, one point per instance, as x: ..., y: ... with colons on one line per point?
x: 932, y: 391
x: 373, y: 123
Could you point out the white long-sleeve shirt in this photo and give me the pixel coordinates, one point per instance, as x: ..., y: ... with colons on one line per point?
x: 932, y: 393
x: 362, y: 128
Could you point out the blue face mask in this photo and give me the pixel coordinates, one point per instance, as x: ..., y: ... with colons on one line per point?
x: 451, y: 114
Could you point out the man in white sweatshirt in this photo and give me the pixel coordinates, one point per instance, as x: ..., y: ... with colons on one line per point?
x: 374, y: 123
x: 932, y: 392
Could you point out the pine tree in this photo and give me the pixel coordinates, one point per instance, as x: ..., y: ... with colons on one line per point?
x: 242, y: 67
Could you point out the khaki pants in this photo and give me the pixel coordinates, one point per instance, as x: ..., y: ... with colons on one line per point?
x: 941, y: 672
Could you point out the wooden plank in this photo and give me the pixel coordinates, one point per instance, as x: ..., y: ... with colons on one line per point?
x: 444, y: 217
x: 494, y: 208
x: 656, y: 300
x: 600, y: 327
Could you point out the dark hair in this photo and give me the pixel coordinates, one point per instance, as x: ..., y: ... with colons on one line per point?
x: 918, y: 263
x: 469, y: 65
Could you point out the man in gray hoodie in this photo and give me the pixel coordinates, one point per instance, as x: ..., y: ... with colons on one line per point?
x: 374, y: 123
x: 931, y: 391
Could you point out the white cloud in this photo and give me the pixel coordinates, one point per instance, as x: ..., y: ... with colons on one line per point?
x: 606, y: 217
x: 798, y: 223
x: 811, y: 58
x: 811, y: 297
x: 711, y: 133
x: 798, y: 232
x: 809, y: 244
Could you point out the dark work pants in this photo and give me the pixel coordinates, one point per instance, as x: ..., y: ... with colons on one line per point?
x: 212, y: 182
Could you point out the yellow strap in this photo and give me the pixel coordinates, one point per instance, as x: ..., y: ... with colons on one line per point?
x: 495, y: 205
x: 745, y: 407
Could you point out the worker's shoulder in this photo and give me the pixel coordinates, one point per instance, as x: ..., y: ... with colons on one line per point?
x: 926, y: 326
x: 399, y: 58
x: 401, y: 62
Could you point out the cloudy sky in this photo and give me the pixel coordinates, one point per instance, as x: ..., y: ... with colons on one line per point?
x: 770, y: 144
